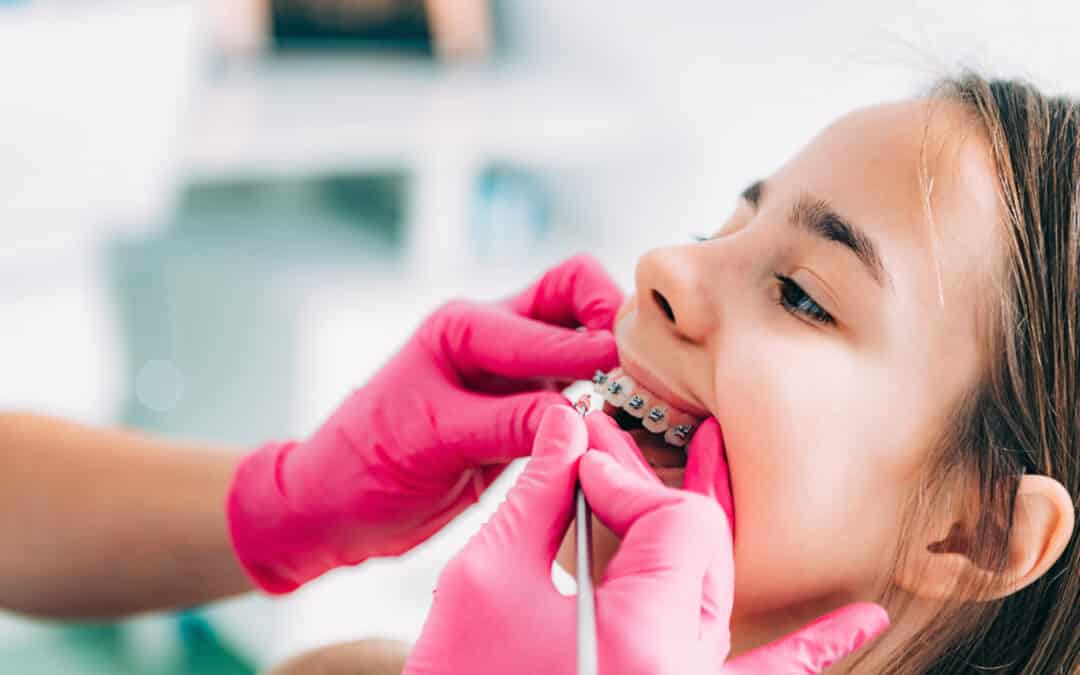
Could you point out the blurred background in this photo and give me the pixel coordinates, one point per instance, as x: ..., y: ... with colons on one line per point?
x: 219, y: 217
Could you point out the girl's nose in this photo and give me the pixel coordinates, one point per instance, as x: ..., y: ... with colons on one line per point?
x: 670, y: 289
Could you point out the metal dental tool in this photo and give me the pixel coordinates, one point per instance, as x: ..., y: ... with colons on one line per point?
x: 586, y: 599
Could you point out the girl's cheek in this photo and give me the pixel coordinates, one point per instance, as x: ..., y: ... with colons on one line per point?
x: 628, y: 305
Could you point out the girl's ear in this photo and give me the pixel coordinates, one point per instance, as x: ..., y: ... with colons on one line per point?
x: 1042, y: 525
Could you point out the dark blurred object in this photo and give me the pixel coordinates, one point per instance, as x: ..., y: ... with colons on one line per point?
x: 383, y: 24
x: 448, y: 28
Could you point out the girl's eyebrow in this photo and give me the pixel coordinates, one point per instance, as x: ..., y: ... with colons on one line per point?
x: 818, y: 217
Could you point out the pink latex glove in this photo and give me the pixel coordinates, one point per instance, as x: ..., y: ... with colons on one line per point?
x: 664, y: 604
x: 416, y: 445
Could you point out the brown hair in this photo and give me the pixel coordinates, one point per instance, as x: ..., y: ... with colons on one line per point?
x: 1024, y: 414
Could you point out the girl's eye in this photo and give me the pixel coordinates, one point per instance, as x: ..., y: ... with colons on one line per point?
x: 795, y: 300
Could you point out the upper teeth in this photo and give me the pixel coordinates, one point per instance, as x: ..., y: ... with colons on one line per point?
x: 656, y: 415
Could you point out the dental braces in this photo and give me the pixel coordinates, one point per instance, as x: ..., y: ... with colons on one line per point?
x: 654, y: 418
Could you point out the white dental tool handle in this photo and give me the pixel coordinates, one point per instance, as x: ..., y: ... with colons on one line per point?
x: 586, y: 600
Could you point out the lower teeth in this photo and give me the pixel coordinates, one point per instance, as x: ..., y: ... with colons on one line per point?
x: 628, y: 422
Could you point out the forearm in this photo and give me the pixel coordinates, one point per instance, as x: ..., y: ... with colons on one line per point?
x: 98, y: 523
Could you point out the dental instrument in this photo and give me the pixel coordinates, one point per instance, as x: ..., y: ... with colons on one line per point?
x: 587, y: 657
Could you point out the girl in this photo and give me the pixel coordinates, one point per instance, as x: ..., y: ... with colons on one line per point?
x: 886, y: 331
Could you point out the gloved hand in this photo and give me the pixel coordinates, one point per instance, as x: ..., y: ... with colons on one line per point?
x: 665, y: 601
x: 416, y: 445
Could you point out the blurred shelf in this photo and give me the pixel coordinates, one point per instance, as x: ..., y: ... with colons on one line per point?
x: 307, y: 114
x: 438, y: 124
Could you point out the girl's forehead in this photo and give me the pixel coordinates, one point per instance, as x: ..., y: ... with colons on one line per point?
x: 919, y: 177
x: 885, y: 156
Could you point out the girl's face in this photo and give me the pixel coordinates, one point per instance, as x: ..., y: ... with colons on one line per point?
x: 829, y: 326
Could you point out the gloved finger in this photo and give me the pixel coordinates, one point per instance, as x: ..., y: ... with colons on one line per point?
x: 499, y: 429
x: 707, y: 469
x: 669, y: 542
x: 815, y: 647
x: 578, y: 292
x: 487, y: 338
x: 530, y: 523
x: 606, y: 436
x: 707, y: 475
x: 497, y: 385
x: 620, y: 497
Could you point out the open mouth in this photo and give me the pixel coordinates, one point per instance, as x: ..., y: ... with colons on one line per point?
x: 660, y: 429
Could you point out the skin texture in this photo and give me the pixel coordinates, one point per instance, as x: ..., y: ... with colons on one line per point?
x: 826, y: 426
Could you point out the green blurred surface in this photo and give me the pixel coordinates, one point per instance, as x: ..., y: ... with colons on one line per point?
x: 104, y: 650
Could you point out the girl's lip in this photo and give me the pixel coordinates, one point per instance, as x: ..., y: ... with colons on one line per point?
x: 656, y: 386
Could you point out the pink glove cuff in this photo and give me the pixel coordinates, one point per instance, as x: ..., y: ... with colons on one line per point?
x: 265, y: 531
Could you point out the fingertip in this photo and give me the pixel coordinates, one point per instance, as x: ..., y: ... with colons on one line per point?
x: 599, y: 312
x: 702, y: 460
x: 546, y: 402
x: 560, y: 412
x: 600, y: 315
x: 600, y: 424
x: 706, y: 469
x: 554, y: 351
x: 708, y: 433
x: 561, y: 431
x: 599, y: 339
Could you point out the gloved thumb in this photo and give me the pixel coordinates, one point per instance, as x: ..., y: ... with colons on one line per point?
x: 531, y: 522
x: 670, y: 540
x: 623, y: 500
